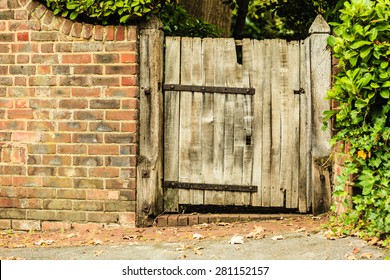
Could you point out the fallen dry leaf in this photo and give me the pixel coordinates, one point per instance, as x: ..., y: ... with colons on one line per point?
x: 44, y: 242
x: 97, y: 253
x: 130, y: 237
x: 257, y: 233
x: 197, y: 236
x: 350, y: 257
x: 356, y: 250
x: 366, y: 256
x: 236, y: 239
x: 97, y: 242
x: 373, y: 241
x: 277, y: 237
x: 301, y: 230
x: 223, y: 224
x: 198, y: 251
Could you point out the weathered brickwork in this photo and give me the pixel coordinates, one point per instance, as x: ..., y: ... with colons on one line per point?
x: 68, y: 120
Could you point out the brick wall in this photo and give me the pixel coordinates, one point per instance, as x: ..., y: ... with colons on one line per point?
x: 68, y: 120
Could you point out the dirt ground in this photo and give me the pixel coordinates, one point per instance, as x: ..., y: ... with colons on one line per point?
x: 115, y: 236
x: 298, y: 237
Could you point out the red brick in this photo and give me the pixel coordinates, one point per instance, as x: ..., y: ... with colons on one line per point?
x: 23, y: 181
x: 172, y: 220
x: 76, y: 29
x: 12, y: 125
x: 129, y: 127
x: 71, y: 194
x: 26, y: 225
x: 129, y: 58
x: 73, y: 172
x: 43, y: 103
x: 5, y: 181
x: 40, y: 126
x: 72, y: 149
x: 23, y: 36
x: 55, y: 226
x: 162, y: 221
x: 121, y: 69
x: 87, y: 226
x: 29, y: 203
x: 106, y: 58
x: 104, y: 172
x: 182, y: 220
x: 22, y: 59
x: 127, y: 218
x: 105, y: 81
x: 87, y: 31
x: 104, y: 127
x: 88, y: 69
x: 121, y: 115
x: 7, y: 202
x: 21, y: 103
x: 5, y: 224
x: 99, y: 33
x: 110, y: 33
x: 20, y: 114
x: 103, y: 150
x: 43, y: 69
x: 73, y: 104
x: 100, y: 217
x: 86, y: 92
x: 121, y: 92
x: 56, y: 161
x: 73, y: 126
x: 27, y: 137
x: 76, y: 58
x: 132, y: 33
x: 102, y: 195
x: 6, y: 103
x: 120, y: 33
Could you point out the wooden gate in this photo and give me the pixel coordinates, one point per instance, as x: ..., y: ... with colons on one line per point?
x: 233, y: 123
x: 235, y: 133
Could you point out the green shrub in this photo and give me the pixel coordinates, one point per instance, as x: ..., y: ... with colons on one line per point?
x: 362, y: 118
x: 176, y: 20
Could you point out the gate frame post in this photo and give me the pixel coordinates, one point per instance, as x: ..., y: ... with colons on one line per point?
x: 150, y: 159
x: 320, y: 83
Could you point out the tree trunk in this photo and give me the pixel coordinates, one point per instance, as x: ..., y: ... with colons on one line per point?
x: 211, y: 11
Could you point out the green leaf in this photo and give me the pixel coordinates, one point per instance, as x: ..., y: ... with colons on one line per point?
x: 359, y: 44
x: 331, y: 41
x: 384, y: 64
x: 373, y: 34
x: 365, y: 51
x: 386, y: 84
x: 385, y: 94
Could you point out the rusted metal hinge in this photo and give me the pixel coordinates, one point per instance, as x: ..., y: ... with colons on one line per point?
x: 210, y: 187
x: 209, y: 89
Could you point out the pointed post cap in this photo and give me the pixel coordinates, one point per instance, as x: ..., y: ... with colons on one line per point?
x: 319, y: 26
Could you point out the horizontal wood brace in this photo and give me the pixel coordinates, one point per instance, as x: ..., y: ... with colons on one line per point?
x: 210, y: 89
x: 210, y: 187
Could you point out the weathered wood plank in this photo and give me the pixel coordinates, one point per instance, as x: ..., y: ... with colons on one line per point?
x: 304, y: 136
x: 217, y: 198
x: 196, y: 121
x: 185, y: 168
x: 267, y: 126
x: 294, y: 63
x: 320, y: 61
x: 208, y: 113
x: 253, y: 60
x: 276, y: 192
x: 150, y: 164
x: 171, y: 123
x: 286, y: 122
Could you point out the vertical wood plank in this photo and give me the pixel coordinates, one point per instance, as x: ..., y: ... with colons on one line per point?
x: 304, y: 135
x: 196, y: 120
x: 286, y: 122
x: 208, y: 113
x: 214, y: 197
x: 185, y: 120
x: 294, y: 62
x: 320, y: 61
x: 276, y: 192
x: 149, y: 188
x: 267, y: 127
x: 171, y: 123
x: 253, y: 59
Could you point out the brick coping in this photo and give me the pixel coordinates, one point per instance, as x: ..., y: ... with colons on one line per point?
x: 175, y: 220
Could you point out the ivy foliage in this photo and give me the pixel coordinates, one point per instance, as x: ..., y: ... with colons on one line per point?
x: 362, y: 118
x: 176, y: 20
